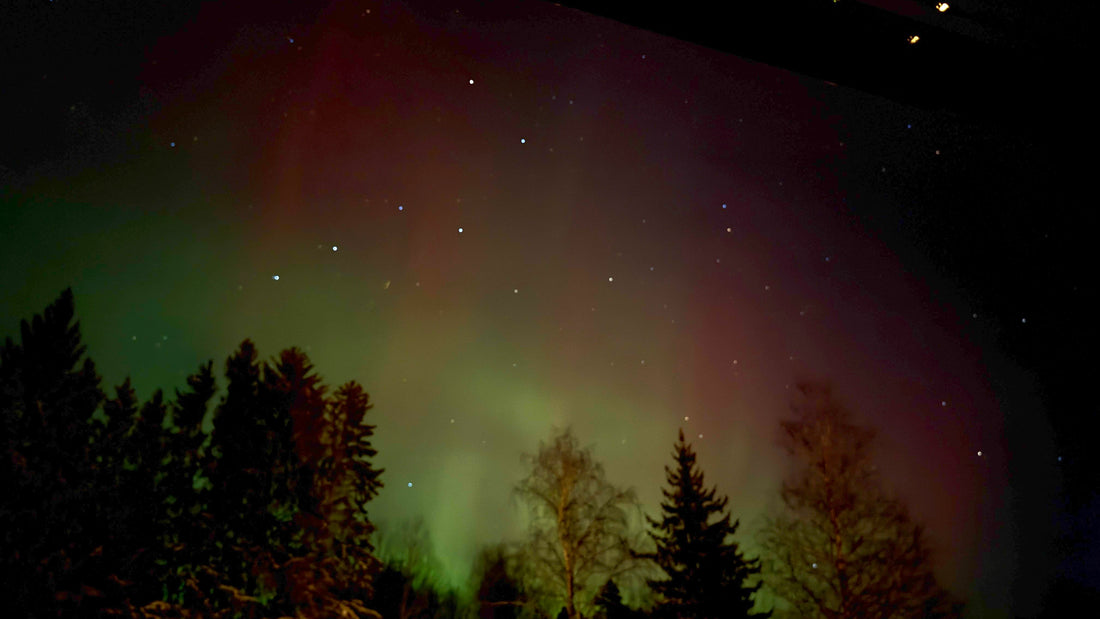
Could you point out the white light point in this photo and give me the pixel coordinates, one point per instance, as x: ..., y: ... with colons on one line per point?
x: 686, y: 418
x: 334, y: 248
x: 410, y: 484
x: 979, y: 453
x: 275, y: 277
x: 460, y: 230
x: 515, y: 291
x: 523, y: 140
x: 471, y: 82
x: 610, y: 279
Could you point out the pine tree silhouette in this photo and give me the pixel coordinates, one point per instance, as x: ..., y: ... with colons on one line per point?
x: 609, y: 603
x: 500, y: 593
x: 707, y: 575
x: 110, y: 507
x: 52, y: 526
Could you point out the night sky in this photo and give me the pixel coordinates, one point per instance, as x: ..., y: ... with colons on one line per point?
x: 512, y: 219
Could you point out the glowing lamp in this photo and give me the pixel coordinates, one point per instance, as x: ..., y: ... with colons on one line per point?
x: 942, y: 7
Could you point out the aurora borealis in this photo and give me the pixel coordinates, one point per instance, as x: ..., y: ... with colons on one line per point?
x: 504, y: 220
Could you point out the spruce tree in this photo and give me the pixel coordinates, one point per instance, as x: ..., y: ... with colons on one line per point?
x: 707, y: 575
x: 609, y: 603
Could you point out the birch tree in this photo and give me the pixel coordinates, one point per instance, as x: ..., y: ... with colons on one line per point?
x: 579, y: 530
x: 843, y: 548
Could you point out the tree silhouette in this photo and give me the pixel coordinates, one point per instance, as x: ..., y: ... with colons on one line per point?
x: 706, y: 574
x: 53, y: 529
x: 292, y: 480
x: 844, y: 549
x: 115, y: 508
x: 579, y: 527
x: 499, y: 590
x: 609, y: 603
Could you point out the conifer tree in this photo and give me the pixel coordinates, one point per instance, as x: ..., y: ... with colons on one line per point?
x: 116, y: 508
x: 499, y: 590
x: 609, y: 603
x: 51, y: 551
x: 707, y: 575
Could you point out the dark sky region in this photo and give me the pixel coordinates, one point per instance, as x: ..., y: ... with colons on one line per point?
x: 505, y: 219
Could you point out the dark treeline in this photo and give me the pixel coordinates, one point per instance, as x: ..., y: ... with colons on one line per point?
x: 250, y: 499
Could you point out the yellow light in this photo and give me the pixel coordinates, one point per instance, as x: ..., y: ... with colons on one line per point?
x: 913, y: 39
x: 942, y: 7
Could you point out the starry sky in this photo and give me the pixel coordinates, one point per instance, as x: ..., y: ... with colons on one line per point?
x: 504, y: 220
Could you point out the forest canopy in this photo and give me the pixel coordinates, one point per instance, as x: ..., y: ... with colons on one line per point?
x: 251, y: 498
